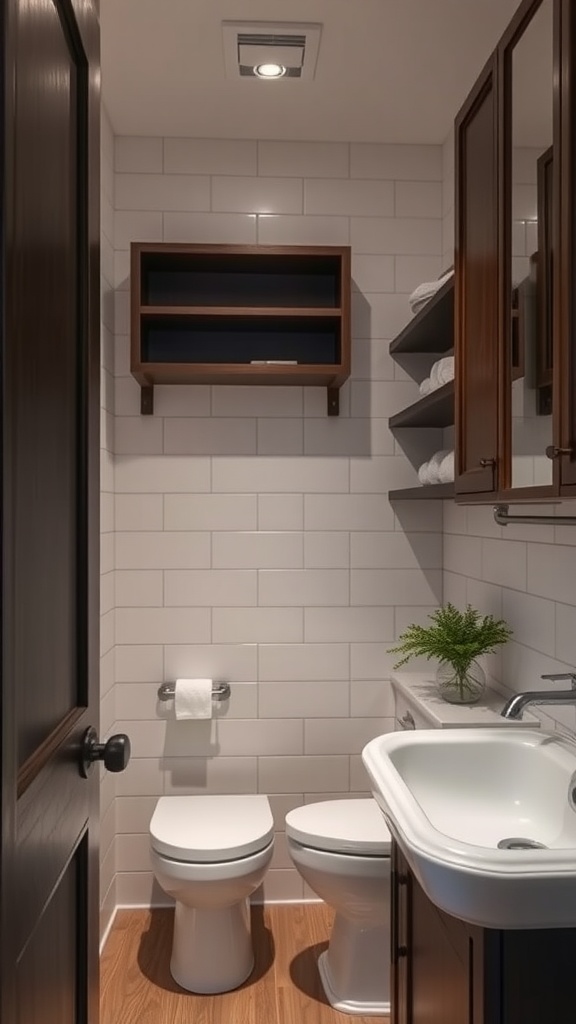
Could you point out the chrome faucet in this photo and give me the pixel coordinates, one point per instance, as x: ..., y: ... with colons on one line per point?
x: 515, y: 706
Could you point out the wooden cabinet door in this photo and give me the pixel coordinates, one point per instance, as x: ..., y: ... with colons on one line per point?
x: 401, y: 907
x: 440, y: 966
x: 437, y: 961
x: 476, y: 313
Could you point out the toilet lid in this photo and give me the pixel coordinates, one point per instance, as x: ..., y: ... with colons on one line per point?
x: 208, y: 829
x: 341, y: 826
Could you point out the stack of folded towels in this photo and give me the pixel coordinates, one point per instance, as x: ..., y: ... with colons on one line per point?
x: 442, y: 371
x: 424, y: 292
x: 438, y: 470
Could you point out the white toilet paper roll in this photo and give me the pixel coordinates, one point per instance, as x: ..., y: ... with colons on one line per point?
x: 193, y: 698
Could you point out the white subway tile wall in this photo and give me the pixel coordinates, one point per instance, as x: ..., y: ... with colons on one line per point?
x: 527, y: 577
x: 254, y: 537
x: 448, y: 194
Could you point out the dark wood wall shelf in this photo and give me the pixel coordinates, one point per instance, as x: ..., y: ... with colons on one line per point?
x: 433, y: 492
x: 434, y: 410
x: 240, y: 314
x: 431, y: 331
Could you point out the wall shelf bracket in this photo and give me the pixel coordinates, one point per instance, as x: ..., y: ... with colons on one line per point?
x: 147, y: 400
x: 503, y: 519
x: 333, y: 395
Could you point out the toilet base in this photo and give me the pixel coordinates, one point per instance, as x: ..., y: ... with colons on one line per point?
x: 366, y: 1009
x: 212, y: 949
x: 355, y: 969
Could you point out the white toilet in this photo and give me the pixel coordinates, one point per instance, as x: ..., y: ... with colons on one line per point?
x: 210, y: 853
x: 342, y: 850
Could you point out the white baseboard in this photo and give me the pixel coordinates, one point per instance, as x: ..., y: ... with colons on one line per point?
x: 168, y: 904
x: 107, y: 930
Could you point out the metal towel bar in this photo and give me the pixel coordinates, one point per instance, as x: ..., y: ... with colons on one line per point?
x: 220, y: 691
x: 503, y: 519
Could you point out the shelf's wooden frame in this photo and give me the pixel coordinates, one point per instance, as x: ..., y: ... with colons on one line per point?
x: 330, y: 375
x: 238, y: 312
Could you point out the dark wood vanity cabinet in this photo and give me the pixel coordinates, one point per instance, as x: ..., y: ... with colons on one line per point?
x: 515, y: 319
x: 436, y: 959
x: 445, y: 971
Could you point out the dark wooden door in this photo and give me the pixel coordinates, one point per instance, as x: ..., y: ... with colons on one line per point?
x: 476, y: 313
x: 50, y: 416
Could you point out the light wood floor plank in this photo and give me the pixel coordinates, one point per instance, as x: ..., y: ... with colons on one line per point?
x: 284, y: 988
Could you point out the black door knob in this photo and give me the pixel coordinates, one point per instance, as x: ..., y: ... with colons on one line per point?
x: 115, y: 752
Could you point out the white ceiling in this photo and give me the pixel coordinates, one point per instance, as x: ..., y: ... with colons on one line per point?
x: 388, y: 70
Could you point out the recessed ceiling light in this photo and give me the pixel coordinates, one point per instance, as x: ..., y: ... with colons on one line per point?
x: 269, y: 70
x: 249, y: 46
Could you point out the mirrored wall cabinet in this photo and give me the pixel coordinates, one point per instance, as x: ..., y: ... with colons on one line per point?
x: 515, y: 235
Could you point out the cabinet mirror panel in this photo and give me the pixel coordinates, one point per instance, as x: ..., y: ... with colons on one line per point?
x: 531, y: 85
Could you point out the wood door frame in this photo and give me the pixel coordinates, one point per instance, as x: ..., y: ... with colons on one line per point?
x: 564, y: 354
x: 481, y: 481
x: 513, y: 34
x: 81, y: 20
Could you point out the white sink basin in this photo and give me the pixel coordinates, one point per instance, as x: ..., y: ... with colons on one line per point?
x: 451, y: 797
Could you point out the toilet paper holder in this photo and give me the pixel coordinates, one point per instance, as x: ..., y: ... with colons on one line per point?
x: 220, y: 691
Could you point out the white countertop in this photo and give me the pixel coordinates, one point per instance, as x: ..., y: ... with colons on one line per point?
x: 421, y: 689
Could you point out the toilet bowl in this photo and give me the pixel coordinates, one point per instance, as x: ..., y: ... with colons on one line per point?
x: 342, y: 850
x: 210, y: 853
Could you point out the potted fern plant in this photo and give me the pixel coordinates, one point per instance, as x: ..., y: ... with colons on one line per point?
x: 456, y: 639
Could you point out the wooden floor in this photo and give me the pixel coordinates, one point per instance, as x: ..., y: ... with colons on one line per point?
x: 284, y: 988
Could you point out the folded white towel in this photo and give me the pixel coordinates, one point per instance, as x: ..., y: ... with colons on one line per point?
x: 424, y: 474
x: 446, y: 370
x: 434, y: 466
x: 424, y: 292
x: 434, y: 375
x: 417, y: 304
x: 425, y: 387
x: 441, y: 372
x: 446, y: 470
